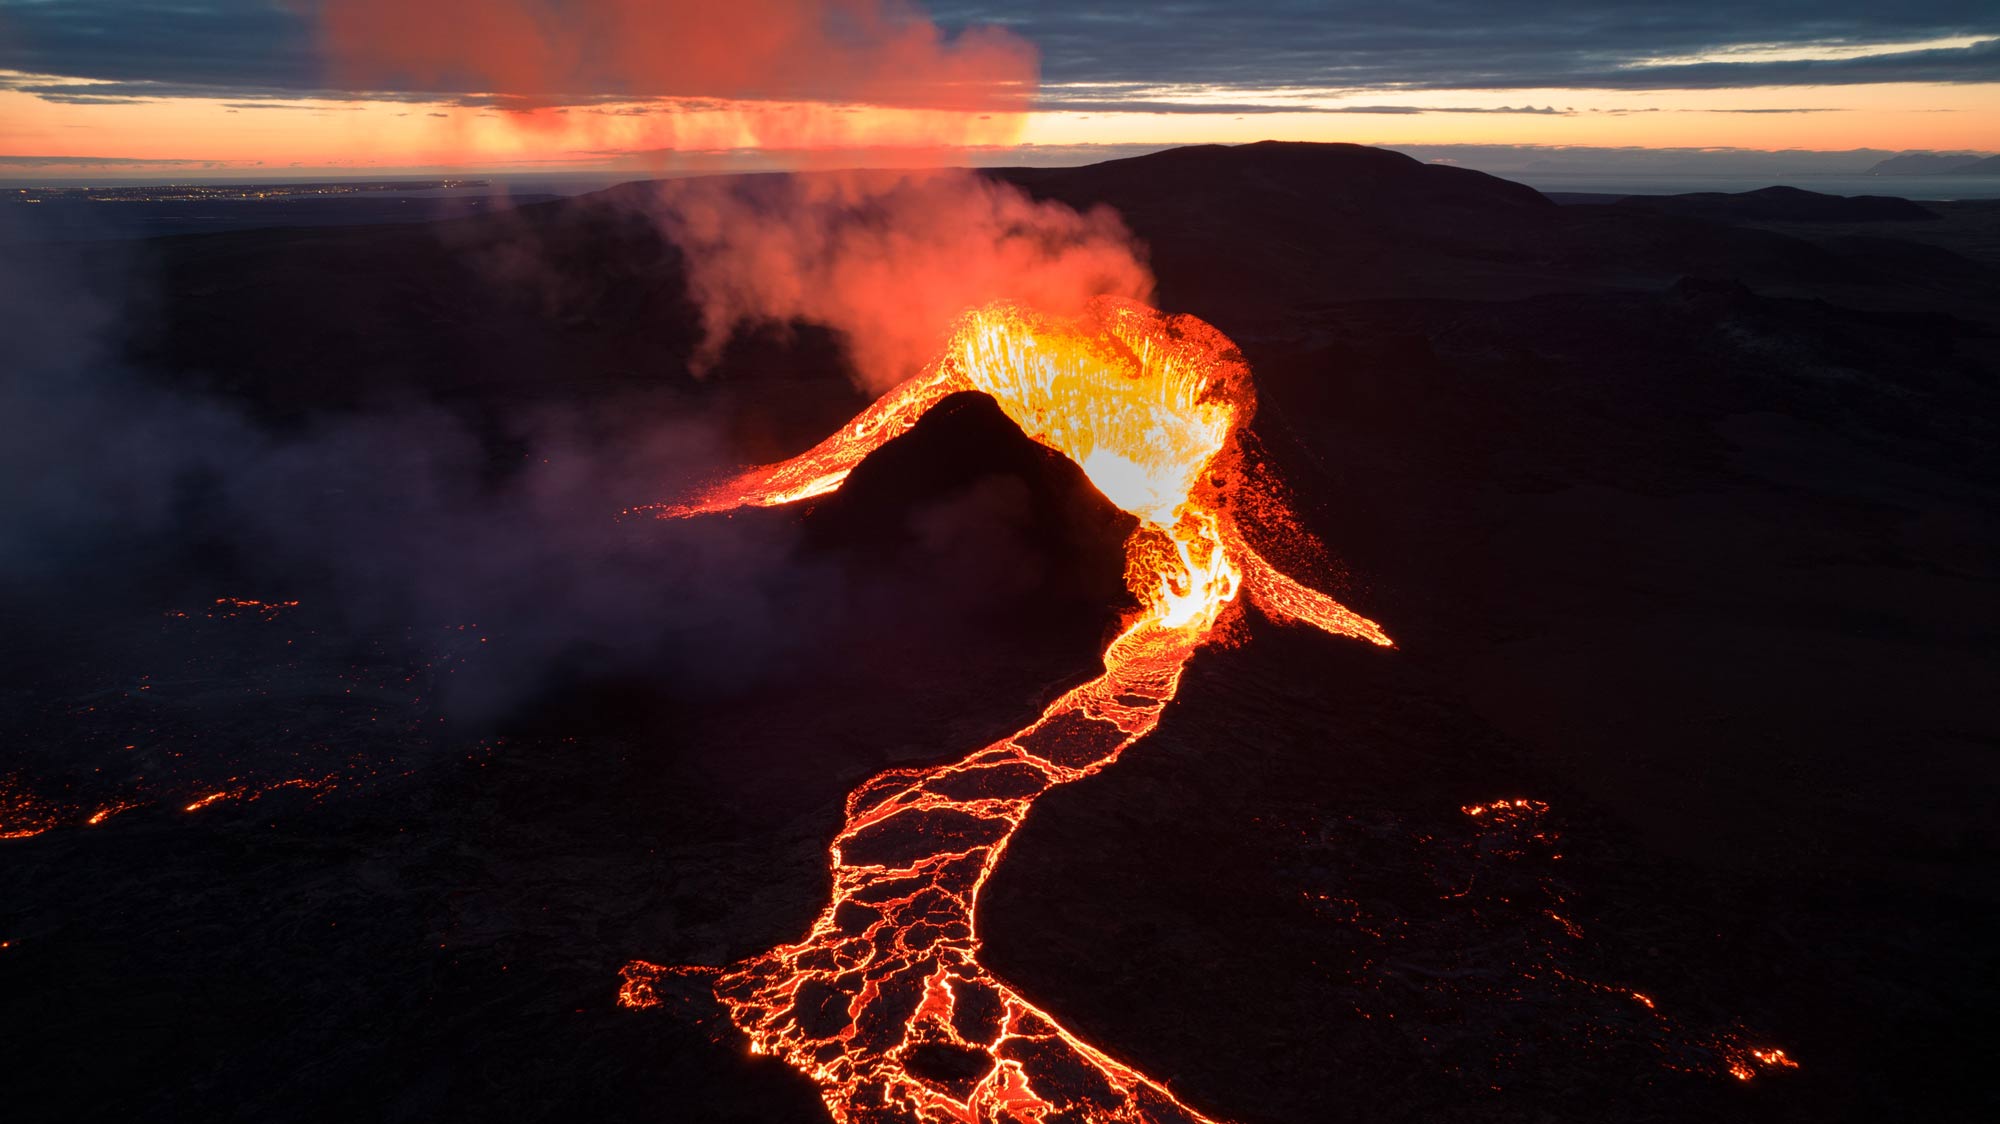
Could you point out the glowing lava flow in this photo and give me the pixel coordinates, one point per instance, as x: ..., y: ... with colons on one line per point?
x: 883, y: 1004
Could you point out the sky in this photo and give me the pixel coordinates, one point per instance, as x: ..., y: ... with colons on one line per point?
x: 161, y: 89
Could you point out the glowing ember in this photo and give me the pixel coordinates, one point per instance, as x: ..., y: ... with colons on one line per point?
x: 1476, y: 916
x: 252, y: 792
x: 1743, y: 1067
x: 227, y: 607
x: 110, y: 810
x: 887, y: 980
x: 1503, y: 809
x: 211, y: 798
x: 23, y: 815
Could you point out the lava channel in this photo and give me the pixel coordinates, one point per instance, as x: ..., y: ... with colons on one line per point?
x: 883, y: 1003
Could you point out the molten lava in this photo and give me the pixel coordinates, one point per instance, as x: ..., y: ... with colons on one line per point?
x: 887, y: 981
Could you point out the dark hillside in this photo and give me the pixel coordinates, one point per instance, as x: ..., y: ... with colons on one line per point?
x: 1683, y: 516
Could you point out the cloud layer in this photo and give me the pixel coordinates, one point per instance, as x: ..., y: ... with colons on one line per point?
x: 1126, y: 50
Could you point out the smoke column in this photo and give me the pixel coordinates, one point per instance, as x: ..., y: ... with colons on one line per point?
x: 887, y: 259
x: 802, y: 75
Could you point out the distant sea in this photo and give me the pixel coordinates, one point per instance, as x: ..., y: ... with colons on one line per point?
x: 1907, y: 187
x: 87, y: 220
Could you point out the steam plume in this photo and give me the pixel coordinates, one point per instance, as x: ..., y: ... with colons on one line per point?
x: 888, y: 259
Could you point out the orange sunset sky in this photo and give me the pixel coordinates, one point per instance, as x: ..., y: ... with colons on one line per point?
x: 356, y: 85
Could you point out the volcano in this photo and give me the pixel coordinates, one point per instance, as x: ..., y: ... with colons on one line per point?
x: 1678, y: 519
x: 888, y: 978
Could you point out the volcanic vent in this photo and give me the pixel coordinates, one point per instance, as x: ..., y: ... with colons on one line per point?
x: 883, y: 1003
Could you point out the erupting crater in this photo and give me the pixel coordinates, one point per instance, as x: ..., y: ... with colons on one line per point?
x: 883, y: 1003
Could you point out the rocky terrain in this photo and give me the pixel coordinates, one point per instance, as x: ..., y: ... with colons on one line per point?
x: 1681, y: 515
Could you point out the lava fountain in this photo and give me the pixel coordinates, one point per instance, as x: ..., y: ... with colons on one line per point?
x: 883, y: 1003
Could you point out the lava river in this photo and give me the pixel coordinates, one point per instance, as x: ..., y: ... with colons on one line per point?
x: 883, y: 1003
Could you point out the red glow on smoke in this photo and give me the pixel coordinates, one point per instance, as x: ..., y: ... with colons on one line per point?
x: 797, y: 75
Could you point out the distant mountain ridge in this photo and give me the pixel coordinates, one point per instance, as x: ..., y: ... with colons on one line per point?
x: 1780, y: 204
x: 1936, y: 164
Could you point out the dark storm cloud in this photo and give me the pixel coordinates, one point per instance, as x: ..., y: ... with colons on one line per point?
x: 165, y: 46
x: 1481, y: 44
x: 1979, y: 62
x: 247, y: 48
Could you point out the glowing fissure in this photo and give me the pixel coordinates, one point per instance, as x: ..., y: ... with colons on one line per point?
x: 888, y: 976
